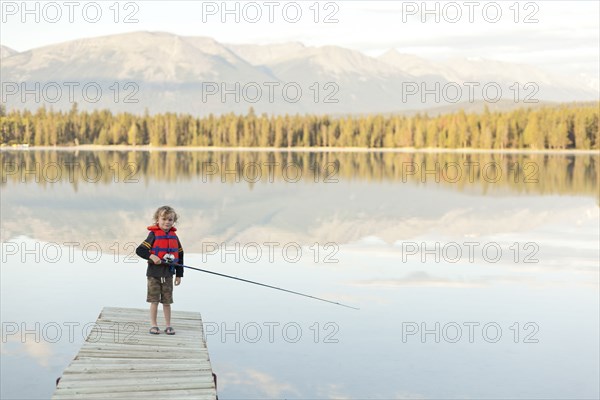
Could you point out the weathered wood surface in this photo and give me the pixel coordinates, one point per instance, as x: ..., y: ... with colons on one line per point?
x: 121, y: 360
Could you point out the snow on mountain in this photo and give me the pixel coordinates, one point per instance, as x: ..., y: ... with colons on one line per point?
x: 266, y: 54
x: 417, y: 66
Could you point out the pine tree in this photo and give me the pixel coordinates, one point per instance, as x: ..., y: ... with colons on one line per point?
x: 132, y: 134
x: 532, y: 137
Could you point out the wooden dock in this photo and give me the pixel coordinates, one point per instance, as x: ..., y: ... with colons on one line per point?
x: 121, y: 360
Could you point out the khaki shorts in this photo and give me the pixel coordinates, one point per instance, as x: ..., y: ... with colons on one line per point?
x: 160, y: 290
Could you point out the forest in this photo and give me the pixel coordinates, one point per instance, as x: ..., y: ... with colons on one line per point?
x: 567, y: 126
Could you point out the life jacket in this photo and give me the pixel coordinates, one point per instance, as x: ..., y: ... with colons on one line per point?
x: 164, y: 242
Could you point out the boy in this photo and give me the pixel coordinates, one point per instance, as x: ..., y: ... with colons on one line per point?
x: 160, y: 241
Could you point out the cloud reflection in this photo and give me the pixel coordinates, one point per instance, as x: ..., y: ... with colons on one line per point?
x: 41, y: 352
x: 264, y: 383
x: 419, y: 279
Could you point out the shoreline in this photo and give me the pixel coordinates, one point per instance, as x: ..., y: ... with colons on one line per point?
x: 91, y: 147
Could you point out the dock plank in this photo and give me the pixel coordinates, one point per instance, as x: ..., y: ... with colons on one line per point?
x: 121, y: 360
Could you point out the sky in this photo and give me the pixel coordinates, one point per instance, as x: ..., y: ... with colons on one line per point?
x: 560, y: 36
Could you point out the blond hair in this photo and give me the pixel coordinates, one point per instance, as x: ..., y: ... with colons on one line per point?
x: 165, y: 210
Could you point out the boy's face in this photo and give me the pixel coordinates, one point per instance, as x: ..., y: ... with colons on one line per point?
x: 166, y: 221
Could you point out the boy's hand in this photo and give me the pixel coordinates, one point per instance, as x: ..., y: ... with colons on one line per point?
x: 154, y: 258
x: 177, y: 280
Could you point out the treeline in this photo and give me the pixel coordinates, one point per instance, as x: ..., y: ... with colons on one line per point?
x: 560, y: 127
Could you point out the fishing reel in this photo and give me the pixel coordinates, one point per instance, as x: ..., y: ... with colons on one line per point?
x: 169, y: 258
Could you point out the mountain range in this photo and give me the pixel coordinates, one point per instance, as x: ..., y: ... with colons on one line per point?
x: 162, y: 72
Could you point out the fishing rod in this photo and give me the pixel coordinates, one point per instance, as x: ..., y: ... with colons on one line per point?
x: 169, y: 260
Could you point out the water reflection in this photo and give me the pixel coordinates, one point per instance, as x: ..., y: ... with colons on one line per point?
x: 372, y: 208
x: 367, y: 195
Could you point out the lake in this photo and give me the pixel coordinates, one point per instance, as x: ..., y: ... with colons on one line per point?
x: 476, y: 274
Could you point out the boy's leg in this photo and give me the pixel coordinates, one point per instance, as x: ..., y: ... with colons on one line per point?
x: 153, y: 298
x: 167, y: 311
x: 153, y: 313
x: 167, y: 299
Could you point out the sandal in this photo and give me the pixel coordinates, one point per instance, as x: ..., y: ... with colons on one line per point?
x: 169, y: 330
x: 155, y: 330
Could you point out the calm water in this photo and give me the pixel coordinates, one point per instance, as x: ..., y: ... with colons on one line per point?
x: 476, y: 274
